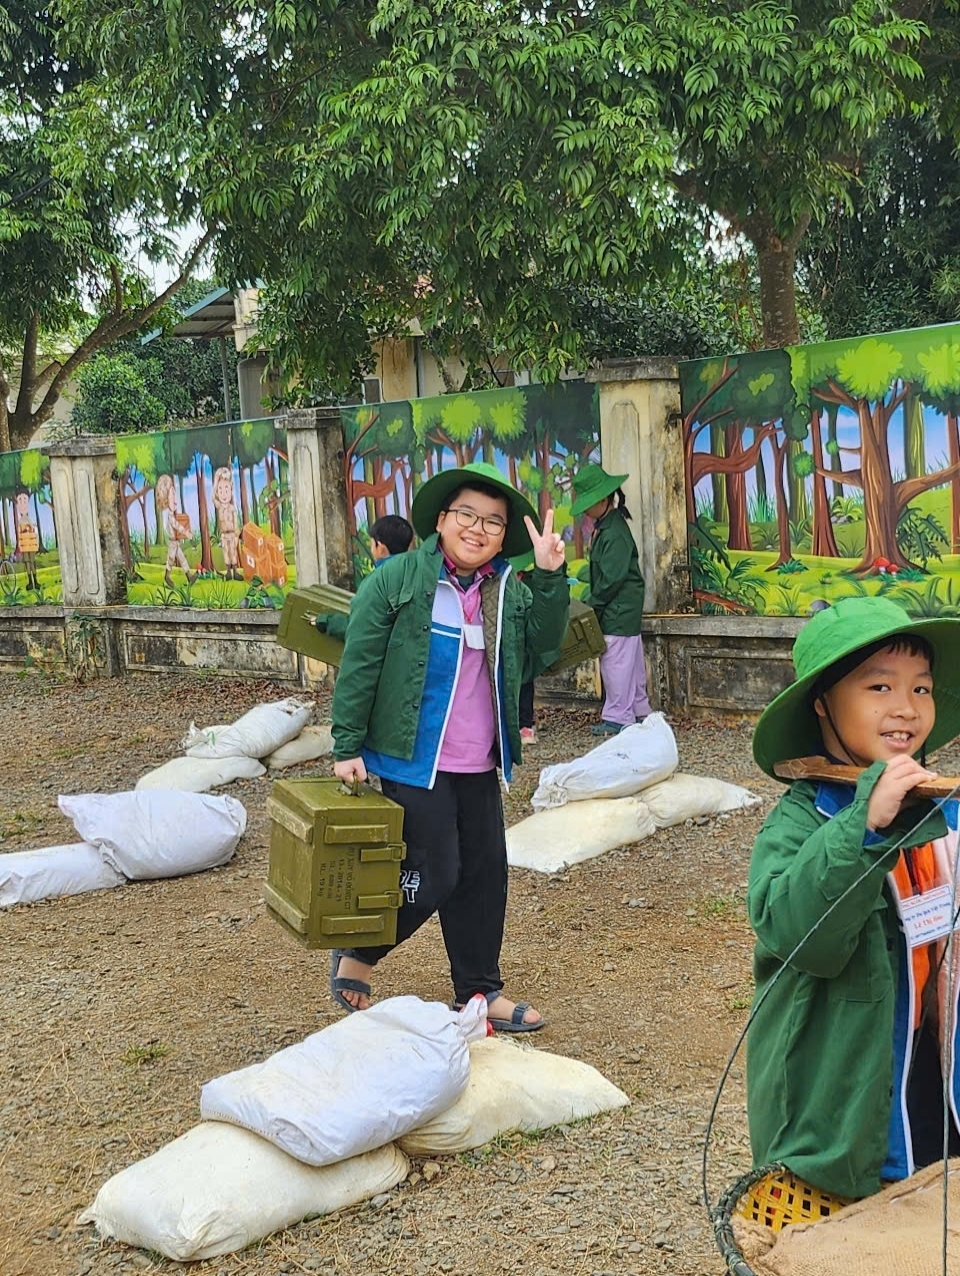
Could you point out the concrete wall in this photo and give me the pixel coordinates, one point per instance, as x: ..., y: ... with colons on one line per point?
x: 698, y: 665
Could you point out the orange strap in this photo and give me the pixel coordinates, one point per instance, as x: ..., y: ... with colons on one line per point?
x: 909, y: 883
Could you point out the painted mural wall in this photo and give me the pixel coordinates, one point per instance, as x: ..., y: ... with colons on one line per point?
x: 29, y: 559
x: 820, y: 472
x: 539, y: 436
x: 206, y: 516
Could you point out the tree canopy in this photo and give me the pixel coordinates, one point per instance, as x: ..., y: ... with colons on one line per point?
x: 81, y: 195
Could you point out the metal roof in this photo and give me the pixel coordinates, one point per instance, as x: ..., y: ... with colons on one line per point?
x: 211, y: 316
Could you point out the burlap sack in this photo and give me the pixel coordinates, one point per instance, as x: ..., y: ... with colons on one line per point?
x: 898, y: 1232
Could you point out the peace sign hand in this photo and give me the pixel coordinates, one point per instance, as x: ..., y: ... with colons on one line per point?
x: 548, y: 550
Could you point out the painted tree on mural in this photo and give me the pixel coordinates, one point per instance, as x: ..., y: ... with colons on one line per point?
x: 251, y: 441
x: 873, y: 378
x: 142, y: 454
x: 26, y: 470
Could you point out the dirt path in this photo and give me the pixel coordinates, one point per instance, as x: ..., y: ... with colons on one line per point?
x: 116, y: 1007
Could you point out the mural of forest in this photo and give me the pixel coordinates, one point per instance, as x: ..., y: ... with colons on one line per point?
x: 29, y: 560
x: 820, y: 472
x: 207, y: 520
x: 539, y: 436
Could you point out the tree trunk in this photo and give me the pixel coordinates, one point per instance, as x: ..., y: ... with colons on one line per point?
x: 245, y: 500
x: 879, y: 498
x: 543, y: 499
x: 273, y: 501
x: 763, y: 496
x: 124, y: 525
x: 41, y: 549
x: 379, y: 501
x: 253, y: 496
x: 161, y: 535
x: 146, y: 526
x: 953, y: 447
x: 776, y: 263
x: 799, y: 505
x: 783, y: 515
x: 721, y: 511
x: 206, y: 552
x: 835, y: 461
x: 914, y: 443
x: 738, y: 531
x: 370, y: 478
x: 5, y: 444
x: 824, y: 542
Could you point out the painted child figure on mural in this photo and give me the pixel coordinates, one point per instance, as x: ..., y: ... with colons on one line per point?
x: 226, y: 507
x: 177, y: 527
x: 28, y: 538
x: 616, y: 595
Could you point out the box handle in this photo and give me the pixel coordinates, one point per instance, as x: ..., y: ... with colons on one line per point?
x: 383, y: 854
x: 389, y: 899
x: 351, y: 790
x: 284, y: 909
x: 372, y: 924
x: 300, y: 829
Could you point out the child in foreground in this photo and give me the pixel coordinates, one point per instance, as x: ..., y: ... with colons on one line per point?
x: 843, y: 1064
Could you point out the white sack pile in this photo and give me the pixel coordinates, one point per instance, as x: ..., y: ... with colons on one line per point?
x: 218, y: 1188
x: 126, y: 836
x: 514, y: 1087
x: 626, y: 763
x: 405, y: 1069
x: 355, y: 1085
x: 554, y: 839
x: 273, y: 734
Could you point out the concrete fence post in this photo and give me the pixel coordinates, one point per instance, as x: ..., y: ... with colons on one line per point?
x: 640, y: 435
x: 321, y: 534
x: 87, y: 514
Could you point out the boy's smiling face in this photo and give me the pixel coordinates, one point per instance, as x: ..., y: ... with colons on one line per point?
x: 882, y: 709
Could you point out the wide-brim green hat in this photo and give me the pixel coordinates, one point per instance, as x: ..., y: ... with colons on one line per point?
x: 429, y: 501
x: 789, y: 726
x: 592, y: 484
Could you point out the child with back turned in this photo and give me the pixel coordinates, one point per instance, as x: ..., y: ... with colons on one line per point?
x: 844, y: 1080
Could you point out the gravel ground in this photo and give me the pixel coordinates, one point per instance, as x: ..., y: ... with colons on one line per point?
x: 115, y: 1007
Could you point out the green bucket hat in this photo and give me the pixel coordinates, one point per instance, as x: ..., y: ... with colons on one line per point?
x: 428, y: 503
x: 592, y: 484
x: 789, y: 726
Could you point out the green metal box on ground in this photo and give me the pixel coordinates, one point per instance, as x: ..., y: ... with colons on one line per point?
x: 335, y: 855
x: 582, y: 640
x: 299, y: 634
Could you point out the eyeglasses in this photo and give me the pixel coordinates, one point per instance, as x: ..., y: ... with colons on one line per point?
x: 493, y: 526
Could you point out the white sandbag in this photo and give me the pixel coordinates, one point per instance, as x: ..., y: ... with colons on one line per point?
x: 259, y: 732
x: 356, y: 1085
x: 198, y: 775
x: 217, y: 1189
x: 555, y: 839
x: 513, y: 1087
x: 626, y: 763
x: 683, y: 797
x: 312, y: 742
x: 54, y: 870
x: 157, y: 832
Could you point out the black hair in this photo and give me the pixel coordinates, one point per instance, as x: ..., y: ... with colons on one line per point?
x: 487, y: 489
x: 912, y: 644
x: 394, y: 532
x: 622, y: 503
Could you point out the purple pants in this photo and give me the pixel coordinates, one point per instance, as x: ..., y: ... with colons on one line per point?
x: 624, y: 677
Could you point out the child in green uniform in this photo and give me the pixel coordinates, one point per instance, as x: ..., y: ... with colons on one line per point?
x: 843, y: 1072
x: 616, y: 595
x: 388, y: 536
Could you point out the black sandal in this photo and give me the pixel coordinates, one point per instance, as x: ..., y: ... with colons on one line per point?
x: 339, y: 984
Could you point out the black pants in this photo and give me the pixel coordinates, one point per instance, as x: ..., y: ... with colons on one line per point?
x: 456, y: 865
x: 526, y: 705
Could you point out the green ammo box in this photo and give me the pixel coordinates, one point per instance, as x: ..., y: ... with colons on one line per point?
x: 298, y: 634
x: 582, y: 640
x: 335, y: 855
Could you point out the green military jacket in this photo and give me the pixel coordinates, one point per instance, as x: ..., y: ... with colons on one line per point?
x: 380, y: 683
x: 616, y: 583
x: 820, y: 1052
